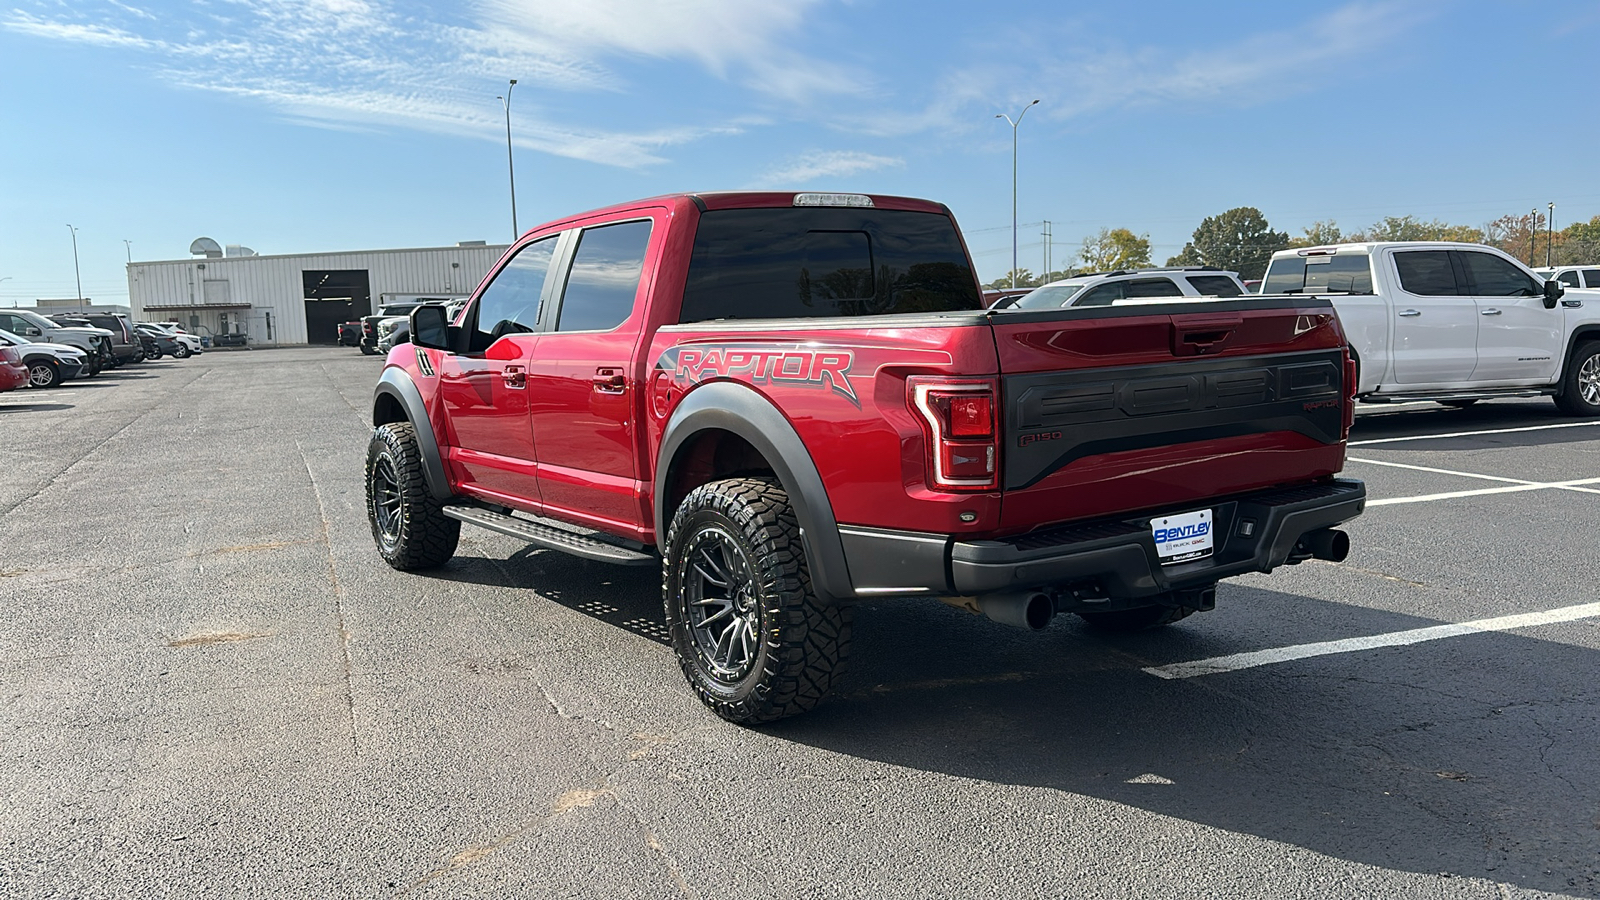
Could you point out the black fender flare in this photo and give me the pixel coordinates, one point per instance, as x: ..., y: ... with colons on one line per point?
x: 733, y: 407
x: 396, y: 383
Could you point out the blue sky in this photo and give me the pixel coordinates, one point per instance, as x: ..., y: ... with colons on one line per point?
x: 308, y: 125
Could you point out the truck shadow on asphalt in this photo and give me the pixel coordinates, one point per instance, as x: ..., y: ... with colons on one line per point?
x: 1418, y: 422
x: 34, y: 407
x: 1469, y: 757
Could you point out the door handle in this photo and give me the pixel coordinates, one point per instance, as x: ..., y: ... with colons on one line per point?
x: 609, y: 380
x: 1489, y: 312
x: 1409, y: 313
x: 515, y: 376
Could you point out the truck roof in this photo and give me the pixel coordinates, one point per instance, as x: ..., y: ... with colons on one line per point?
x: 709, y: 200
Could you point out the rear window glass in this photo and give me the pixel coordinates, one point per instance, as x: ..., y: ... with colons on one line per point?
x: 1591, y: 277
x: 1051, y: 296
x: 1153, y: 287
x: 1341, y: 273
x: 604, y: 279
x: 1496, y: 277
x: 824, y: 263
x: 1426, y: 273
x: 1568, y: 278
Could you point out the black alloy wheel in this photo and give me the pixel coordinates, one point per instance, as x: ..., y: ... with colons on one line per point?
x: 753, y: 639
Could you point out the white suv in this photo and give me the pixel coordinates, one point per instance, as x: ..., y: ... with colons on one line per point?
x: 1571, y: 276
x: 1127, y: 286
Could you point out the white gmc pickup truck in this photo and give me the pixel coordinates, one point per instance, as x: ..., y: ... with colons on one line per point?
x: 1456, y: 323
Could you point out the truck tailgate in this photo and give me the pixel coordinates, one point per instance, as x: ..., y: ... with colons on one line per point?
x: 1115, y: 410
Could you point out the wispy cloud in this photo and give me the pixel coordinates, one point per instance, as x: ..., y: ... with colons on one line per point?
x: 809, y: 167
x: 371, y: 64
x: 1079, y: 73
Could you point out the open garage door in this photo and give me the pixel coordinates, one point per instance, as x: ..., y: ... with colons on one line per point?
x: 334, y: 296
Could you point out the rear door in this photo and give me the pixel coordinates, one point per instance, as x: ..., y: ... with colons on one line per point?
x: 583, y: 386
x: 1435, y: 319
x: 485, y: 390
x: 1519, y: 341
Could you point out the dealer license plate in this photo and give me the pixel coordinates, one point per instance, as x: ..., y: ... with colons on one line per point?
x: 1183, y: 538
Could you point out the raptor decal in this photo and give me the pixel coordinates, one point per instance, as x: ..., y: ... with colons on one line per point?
x: 779, y: 364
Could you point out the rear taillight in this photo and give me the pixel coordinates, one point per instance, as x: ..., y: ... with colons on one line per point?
x: 1350, y: 388
x: 958, y: 418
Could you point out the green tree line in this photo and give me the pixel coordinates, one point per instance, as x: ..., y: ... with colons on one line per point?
x: 1241, y: 240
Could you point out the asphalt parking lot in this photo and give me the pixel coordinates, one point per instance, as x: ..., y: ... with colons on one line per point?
x: 213, y: 687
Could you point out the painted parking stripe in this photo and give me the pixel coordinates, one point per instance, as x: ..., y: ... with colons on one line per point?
x: 1233, y: 663
x: 1457, y: 434
x: 1520, y: 483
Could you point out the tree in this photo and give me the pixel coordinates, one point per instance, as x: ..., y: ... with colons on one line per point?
x: 1518, y: 236
x: 1025, y: 278
x: 1114, y: 248
x: 1410, y: 228
x: 1320, y: 233
x: 1579, y: 243
x: 1240, y: 240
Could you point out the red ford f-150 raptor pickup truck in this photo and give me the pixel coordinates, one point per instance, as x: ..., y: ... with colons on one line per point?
x: 794, y: 401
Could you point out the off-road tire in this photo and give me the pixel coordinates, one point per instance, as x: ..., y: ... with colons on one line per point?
x: 1575, y: 382
x: 44, y: 374
x: 800, y: 645
x: 407, y: 523
x: 1126, y: 620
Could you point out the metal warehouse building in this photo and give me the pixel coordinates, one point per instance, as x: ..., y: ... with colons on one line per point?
x: 301, y: 298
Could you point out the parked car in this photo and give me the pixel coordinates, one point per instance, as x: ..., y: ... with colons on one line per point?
x: 125, y: 344
x: 159, y: 343
x: 1452, y: 322
x: 1112, y: 288
x: 190, y: 344
x: 993, y: 296
x: 95, y: 342
x: 793, y: 402
x: 230, y: 339
x: 396, y: 330
x: 1571, y: 276
x: 13, y: 374
x: 350, y: 334
x: 48, y: 364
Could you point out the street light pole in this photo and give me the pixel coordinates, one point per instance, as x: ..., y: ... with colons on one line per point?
x: 129, y: 245
x: 510, y: 165
x: 1550, y: 234
x: 1014, y: 125
x: 76, y: 273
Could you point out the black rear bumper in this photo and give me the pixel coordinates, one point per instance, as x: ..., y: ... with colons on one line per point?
x: 1114, y: 558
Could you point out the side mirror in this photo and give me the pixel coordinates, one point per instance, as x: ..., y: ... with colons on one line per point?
x: 34, y: 332
x: 1552, y: 293
x: 430, y: 327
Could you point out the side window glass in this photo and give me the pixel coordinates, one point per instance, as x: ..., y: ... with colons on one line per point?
x: 510, y: 303
x: 1215, y: 286
x: 1568, y: 278
x: 1154, y: 287
x: 605, y: 277
x: 1426, y: 273
x: 1591, y: 277
x: 1102, y: 295
x: 1495, y: 277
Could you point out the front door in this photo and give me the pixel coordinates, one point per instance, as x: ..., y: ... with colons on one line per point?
x: 583, y: 388
x: 1519, y: 341
x: 1435, y: 320
x: 485, y: 390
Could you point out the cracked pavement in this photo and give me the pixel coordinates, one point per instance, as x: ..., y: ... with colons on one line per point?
x: 213, y: 687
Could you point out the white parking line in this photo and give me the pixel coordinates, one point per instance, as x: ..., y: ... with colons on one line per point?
x: 1237, y: 661
x: 1519, y: 483
x: 1456, y: 434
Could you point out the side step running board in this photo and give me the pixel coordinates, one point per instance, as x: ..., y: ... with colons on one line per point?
x: 549, y: 537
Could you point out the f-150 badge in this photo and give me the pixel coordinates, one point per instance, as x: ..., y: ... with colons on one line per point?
x: 779, y: 364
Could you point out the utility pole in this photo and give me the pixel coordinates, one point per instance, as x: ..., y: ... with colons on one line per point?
x: 1014, y: 125
x: 1046, y: 235
x: 75, y: 271
x: 1550, y: 234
